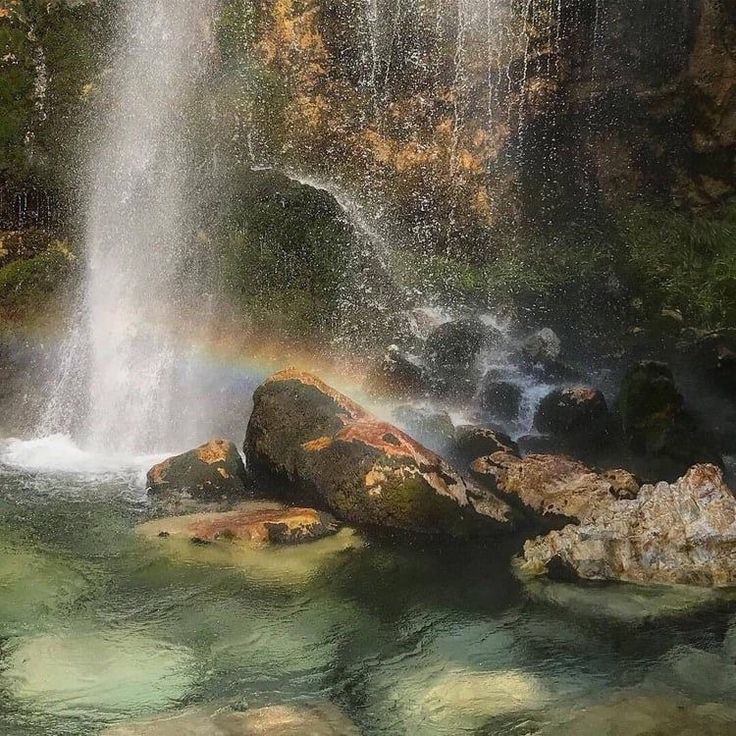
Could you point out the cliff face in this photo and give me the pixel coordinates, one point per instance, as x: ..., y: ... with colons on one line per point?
x: 468, y: 116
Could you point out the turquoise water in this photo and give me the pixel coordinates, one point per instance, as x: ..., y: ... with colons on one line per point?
x: 99, y: 626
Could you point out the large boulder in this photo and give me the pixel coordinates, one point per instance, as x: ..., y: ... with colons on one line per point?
x: 679, y: 533
x: 329, y: 452
x: 554, y: 489
x: 578, y: 414
x: 212, y: 473
x: 655, y: 420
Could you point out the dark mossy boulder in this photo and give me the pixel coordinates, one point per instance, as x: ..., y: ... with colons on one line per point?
x: 396, y: 375
x: 472, y: 441
x: 656, y: 422
x: 432, y: 428
x: 715, y: 356
x: 578, y: 414
x: 212, y: 474
x: 500, y: 398
x: 451, y: 354
x: 327, y: 451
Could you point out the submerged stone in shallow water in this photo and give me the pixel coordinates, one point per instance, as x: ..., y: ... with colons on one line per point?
x: 97, y: 673
x: 264, y: 553
x: 317, y: 719
x: 252, y: 524
x: 642, y: 715
x: 32, y: 585
x: 460, y: 700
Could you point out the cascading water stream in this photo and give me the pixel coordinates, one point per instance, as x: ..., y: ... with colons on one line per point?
x: 141, y: 275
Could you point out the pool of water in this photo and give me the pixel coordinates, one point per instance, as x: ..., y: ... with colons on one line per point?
x: 99, y: 626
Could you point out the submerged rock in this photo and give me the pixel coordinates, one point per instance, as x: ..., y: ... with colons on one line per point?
x: 266, y: 540
x: 634, y: 714
x: 97, y: 673
x: 313, y: 719
x: 332, y: 453
x: 212, y: 473
x: 679, y: 533
x: 554, y: 488
x: 452, y: 699
x: 272, y: 524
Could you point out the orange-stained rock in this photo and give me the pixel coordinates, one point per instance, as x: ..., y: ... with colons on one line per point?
x: 212, y: 473
x: 554, y: 487
x: 332, y: 453
x: 272, y: 524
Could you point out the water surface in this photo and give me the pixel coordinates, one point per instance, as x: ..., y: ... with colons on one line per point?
x: 98, y: 626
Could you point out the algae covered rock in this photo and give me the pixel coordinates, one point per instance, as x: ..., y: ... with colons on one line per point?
x: 432, y: 428
x: 396, y: 375
x: 212, y: 473
x: 672, y: 533
x: 329, y: 452
x: 500, y: 398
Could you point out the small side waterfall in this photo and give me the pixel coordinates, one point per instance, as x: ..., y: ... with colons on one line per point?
x: 141, y: 276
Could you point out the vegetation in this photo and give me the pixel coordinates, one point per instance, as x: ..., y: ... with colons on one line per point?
x: 26, y: 285
x: 684, y: 260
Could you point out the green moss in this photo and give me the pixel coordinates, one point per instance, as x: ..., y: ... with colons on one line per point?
x: 683, y: 260
x: 26, y: 285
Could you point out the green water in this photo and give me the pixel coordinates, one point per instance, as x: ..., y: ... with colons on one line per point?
x: 98, y: 626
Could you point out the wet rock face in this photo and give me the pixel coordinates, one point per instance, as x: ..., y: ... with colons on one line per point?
x: 326, y: 448
x: 579, y: 413
x: 212, y: 473
x: 679, y: 533
x: 555, y: 489
x: 271, y: 525
x: 655, y: 420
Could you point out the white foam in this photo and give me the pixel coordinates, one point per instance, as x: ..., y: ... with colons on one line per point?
x: 58, y: 453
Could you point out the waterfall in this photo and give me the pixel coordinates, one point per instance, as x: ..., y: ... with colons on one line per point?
x: 136, y: 385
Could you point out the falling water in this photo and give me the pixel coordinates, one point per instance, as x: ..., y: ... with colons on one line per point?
x: 140, y: 226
